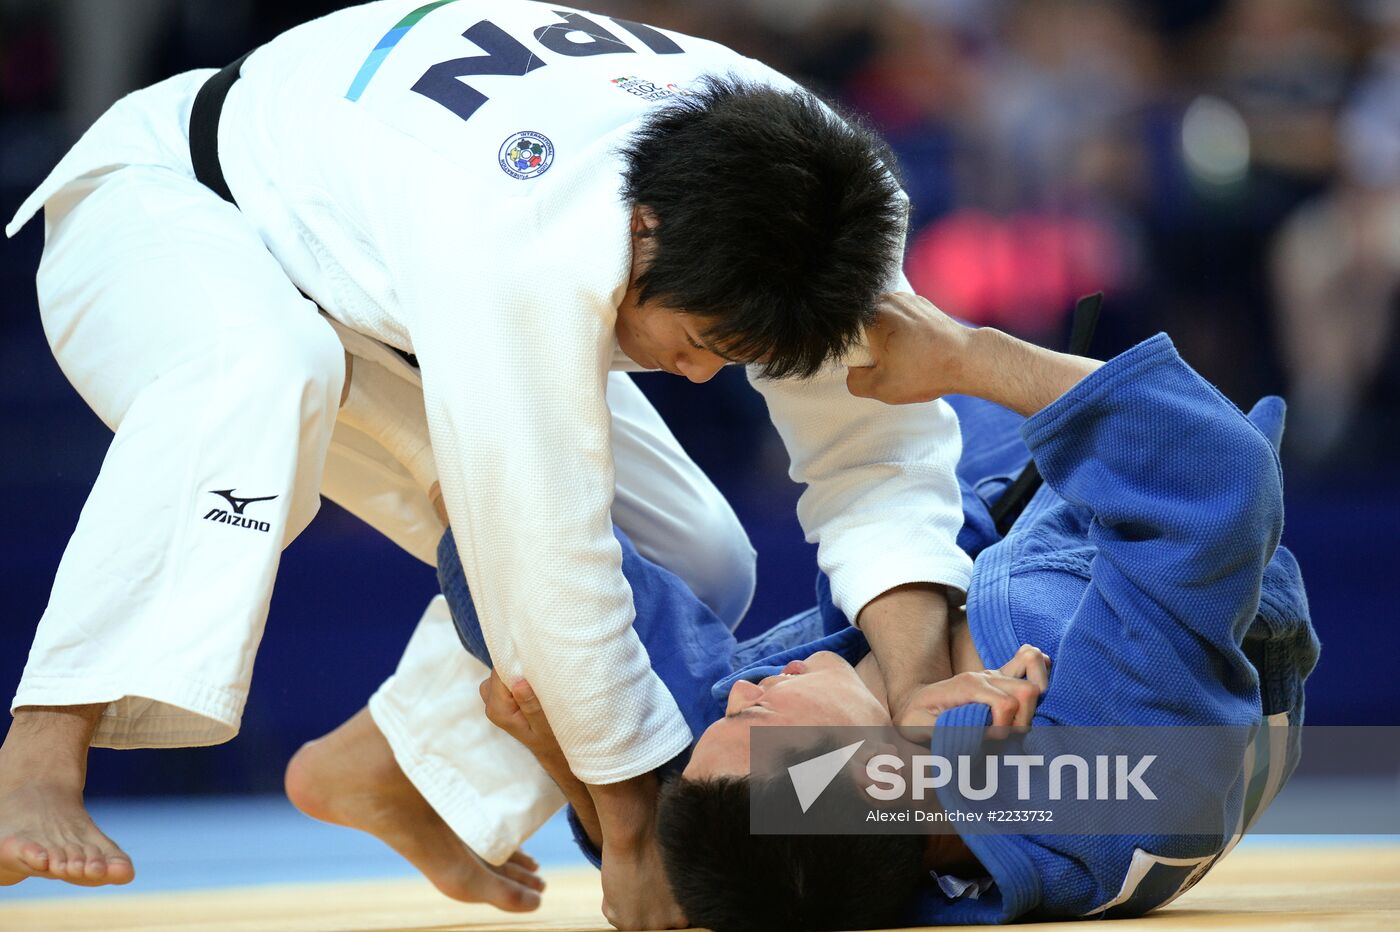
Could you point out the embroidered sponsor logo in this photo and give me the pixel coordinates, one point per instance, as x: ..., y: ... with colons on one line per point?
x: 526, y: 155
x: 236, y: 518
x: 647, y: 90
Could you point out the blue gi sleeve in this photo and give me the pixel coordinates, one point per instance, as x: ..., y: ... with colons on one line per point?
x: 1139, y: 569
x: 1186, y: 498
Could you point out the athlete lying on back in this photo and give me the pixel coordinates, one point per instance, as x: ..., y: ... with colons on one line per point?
x: 1148, y: 566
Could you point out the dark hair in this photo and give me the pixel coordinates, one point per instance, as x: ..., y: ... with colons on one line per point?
x: 780, y: 223
x: 726, y: 878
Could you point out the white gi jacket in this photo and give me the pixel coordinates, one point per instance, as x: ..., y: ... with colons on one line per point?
x: 465, y: 207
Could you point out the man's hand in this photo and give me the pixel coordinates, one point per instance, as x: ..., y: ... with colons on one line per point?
x: 518, y: 713
x: 636, y: 893
x: 916, y: 352
x: 920, y: 353
x: 1012, y: 692
x: 619, y: 818
x: 1032, y: 664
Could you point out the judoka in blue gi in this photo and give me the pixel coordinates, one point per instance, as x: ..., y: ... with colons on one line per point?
x: 1147, y: 568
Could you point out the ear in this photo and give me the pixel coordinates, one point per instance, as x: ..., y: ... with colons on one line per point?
x: 645, y: 222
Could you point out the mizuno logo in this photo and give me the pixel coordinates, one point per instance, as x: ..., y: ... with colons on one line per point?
x: 238, y: 504
x: 220, y: 516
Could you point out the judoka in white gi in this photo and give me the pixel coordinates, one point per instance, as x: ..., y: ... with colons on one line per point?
x: 525, y: 198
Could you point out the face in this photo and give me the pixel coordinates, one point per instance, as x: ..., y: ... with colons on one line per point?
x: 655, y: 336
x: 822, y: 690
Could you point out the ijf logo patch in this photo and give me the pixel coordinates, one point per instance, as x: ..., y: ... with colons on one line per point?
x: 526, y: 155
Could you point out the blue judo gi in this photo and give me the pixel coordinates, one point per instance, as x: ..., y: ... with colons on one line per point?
x: 1148, y: 567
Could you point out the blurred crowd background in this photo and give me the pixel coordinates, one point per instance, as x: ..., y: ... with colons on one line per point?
x: 1225, y: 170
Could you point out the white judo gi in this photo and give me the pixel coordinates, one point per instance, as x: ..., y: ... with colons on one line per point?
x: 441, y: 178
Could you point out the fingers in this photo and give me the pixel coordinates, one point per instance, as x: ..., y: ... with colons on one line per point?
x: 1012, y: 701
x: 1004, y: 704
x: 1031, y: 663
x: 529, y: 705
x: 863, y: 382
x: 501, y: 707
x: 1027, y: 696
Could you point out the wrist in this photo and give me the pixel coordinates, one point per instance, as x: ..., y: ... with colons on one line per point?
x: 626, y: 812
x: 988, y: 351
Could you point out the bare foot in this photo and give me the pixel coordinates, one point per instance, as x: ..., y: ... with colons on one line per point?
x: 45, y: 830
x: 350, y: 778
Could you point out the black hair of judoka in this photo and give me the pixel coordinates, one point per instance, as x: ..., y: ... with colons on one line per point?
x: 728, y: 879
x: 780, y: 223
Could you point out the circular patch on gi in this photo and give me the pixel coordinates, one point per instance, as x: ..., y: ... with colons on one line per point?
x: 526, y: 155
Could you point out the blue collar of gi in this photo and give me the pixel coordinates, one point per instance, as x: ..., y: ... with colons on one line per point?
x: 849, y: 643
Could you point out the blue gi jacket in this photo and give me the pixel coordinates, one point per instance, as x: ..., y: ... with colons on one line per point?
x: 1147, y: 566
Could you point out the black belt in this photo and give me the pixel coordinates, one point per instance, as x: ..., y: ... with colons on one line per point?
x: 204, y: 129
x: 204, y: 142
x: 1019, y: 493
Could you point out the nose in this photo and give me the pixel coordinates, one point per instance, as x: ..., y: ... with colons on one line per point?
x: 699, y: 367
x: 742, y: 695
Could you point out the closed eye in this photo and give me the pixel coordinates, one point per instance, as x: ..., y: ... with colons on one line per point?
x: 696, y: 344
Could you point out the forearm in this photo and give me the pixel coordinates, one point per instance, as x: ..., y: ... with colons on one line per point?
x: 907, y: 628
x: 1016, y: 374
x: 576, y: 793
x: 626, y: 812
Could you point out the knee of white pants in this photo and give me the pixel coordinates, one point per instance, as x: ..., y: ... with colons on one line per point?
x: 722, y: 565
x: 303, y: 360
x: 297, y: 371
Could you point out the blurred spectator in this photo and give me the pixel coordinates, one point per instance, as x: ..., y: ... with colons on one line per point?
x: 1285, y: 64
x: 1336, y: 267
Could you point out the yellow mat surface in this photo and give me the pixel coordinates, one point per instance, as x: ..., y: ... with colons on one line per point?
x: 1274, y: 888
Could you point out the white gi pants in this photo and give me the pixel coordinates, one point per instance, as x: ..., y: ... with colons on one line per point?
x: 181, y: 332
x: 222, y: 383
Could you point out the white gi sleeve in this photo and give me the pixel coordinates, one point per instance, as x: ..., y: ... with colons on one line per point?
x: 514, y: 347
x: 882, y: 501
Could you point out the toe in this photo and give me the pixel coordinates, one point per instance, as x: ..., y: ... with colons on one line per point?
x: 75, y: 863
x: 120, y: 869
x: 514, y: 898
x: 506, y: 893
x: 95, y: 870
x: 521, y: 876
x: 23, y: 857
x: 525, y: 861
x: 480, y: 883
x: 35, y: 856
